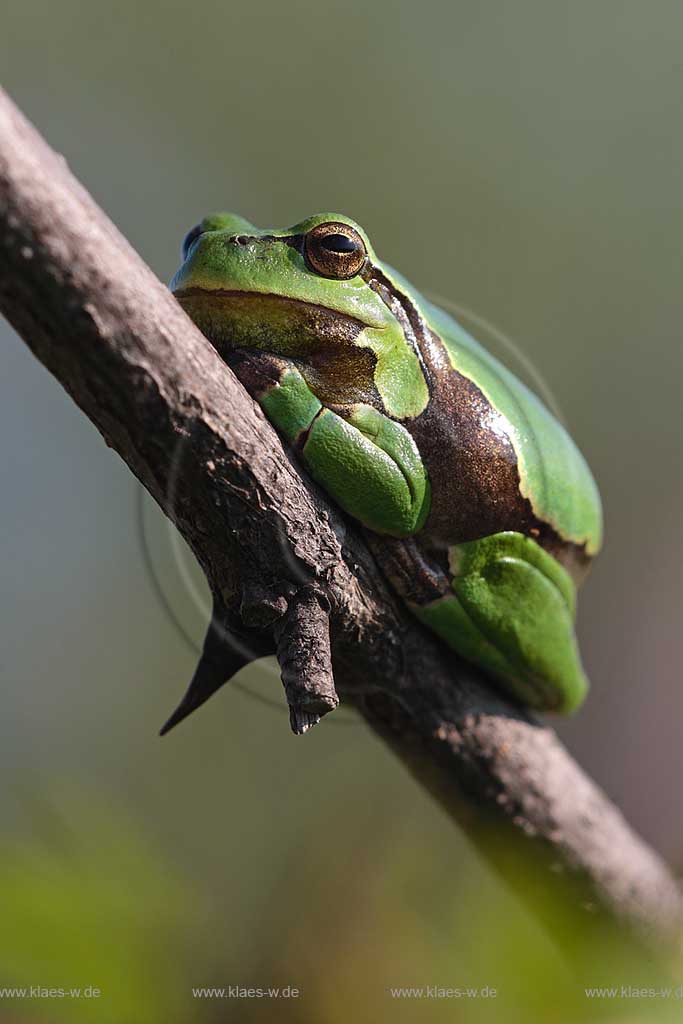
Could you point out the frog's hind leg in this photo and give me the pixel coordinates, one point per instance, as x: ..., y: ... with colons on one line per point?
x: 511, y: 611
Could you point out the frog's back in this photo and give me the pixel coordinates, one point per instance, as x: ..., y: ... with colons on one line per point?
x: 553, y: 475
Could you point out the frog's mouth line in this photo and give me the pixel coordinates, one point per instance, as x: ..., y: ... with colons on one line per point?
x: 309, y: 312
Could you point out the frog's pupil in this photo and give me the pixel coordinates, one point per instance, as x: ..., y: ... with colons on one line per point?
x: 339, y: 243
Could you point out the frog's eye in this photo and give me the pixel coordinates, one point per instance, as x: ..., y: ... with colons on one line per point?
x: 190, y: 238
x: 334, y: 250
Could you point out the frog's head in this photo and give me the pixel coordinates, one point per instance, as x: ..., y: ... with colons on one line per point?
x: 314, y: 293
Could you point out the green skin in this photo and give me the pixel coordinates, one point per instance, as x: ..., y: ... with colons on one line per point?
x: 478, y: 506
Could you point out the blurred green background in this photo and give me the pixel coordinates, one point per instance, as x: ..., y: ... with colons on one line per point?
x: 521, y: 159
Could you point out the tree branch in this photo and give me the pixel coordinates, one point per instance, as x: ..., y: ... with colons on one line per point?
x: 286, y: 571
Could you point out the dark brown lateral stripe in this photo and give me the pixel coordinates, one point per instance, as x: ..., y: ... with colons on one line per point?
x: 472, y: 469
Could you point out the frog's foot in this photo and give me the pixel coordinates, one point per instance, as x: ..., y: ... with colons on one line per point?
x: 512, y: 612
x: 413, y: 574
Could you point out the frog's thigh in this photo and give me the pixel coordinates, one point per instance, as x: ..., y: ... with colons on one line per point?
x: 512, y: 612
x: 371, y: 467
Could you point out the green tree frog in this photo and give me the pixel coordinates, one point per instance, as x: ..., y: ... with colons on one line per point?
x: 479, y: 508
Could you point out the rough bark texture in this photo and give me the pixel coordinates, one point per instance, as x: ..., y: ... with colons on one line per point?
x: 286, y: 570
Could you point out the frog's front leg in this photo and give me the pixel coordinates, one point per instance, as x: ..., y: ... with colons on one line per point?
x: 511, y: 610
x: 278, y: 387
x: 367, y: 462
